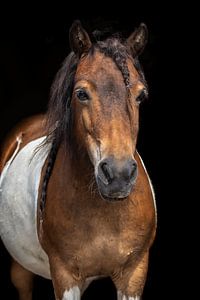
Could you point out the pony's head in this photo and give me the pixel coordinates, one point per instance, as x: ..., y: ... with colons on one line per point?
x: 103, y: 94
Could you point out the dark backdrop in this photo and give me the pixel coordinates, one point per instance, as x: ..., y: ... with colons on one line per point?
x: 32, y: 46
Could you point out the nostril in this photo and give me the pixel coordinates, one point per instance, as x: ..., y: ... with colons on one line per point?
x: 134, y: 168
x: 105, y: 173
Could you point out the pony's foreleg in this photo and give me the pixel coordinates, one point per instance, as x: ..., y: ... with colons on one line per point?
x: 72, y: 294
x: 22, y: 279
x: 130, y: 285
x: 66, y: 286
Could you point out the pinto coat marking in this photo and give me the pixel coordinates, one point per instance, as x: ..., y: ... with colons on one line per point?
x: 18, y: 207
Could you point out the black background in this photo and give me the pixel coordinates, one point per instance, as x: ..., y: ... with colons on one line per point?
x: 33, y: 44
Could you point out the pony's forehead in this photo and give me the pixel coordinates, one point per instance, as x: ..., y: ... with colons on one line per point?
x: 99, y: 68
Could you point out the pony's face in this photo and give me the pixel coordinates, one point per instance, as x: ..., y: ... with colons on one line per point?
x: 106, y: 120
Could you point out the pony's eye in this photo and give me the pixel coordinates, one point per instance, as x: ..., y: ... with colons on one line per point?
x: 142, y: 96
x: 82, y: 95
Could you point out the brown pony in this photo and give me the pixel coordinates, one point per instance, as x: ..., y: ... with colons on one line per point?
x: 76, y: 200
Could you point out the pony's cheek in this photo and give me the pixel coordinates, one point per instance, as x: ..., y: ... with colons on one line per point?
x: 86, y: 121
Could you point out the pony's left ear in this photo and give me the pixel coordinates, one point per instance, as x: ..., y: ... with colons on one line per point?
x: 137, y: 40
x: 79, y: 39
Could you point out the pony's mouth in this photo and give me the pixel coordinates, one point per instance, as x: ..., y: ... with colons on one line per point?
x: 116, y: 197
x: 115, y: 193
x: 109, y: 199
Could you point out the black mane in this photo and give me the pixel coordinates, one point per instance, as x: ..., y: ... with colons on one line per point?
x: 59, y: 108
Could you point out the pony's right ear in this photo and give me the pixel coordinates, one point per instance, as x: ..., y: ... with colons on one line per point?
x: 79, y: 39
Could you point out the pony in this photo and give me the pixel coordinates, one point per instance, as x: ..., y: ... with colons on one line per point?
x: 76, y: 202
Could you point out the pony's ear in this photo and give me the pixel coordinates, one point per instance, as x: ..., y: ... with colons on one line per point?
x: 79, y: 39
x: 137, y: 40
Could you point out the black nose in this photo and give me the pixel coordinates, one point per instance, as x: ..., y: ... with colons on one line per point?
x: 116, y: 177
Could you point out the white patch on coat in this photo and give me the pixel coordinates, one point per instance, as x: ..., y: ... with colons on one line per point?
x: 120, y: 296
x: 19, y: 141
x: 19, y: 183
x: 150, y: 183
x: 72, y: 294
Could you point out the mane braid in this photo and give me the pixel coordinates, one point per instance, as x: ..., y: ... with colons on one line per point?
x: 140, y: 72
x: 113, y: 48
x: 49, y: 168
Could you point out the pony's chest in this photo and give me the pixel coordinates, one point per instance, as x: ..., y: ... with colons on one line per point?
x: 104, y: 254
x: 100, y: 241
